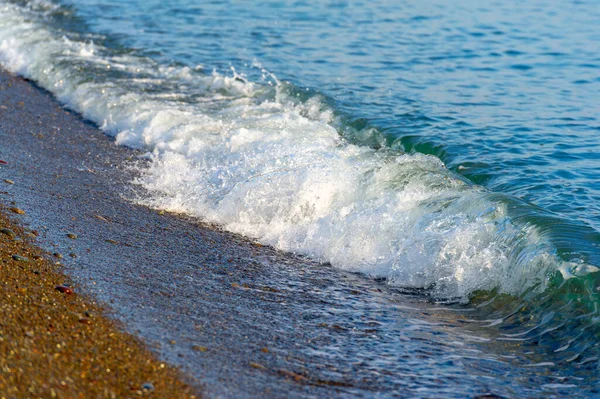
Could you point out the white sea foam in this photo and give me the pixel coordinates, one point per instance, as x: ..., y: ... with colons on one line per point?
x: 243, y: 155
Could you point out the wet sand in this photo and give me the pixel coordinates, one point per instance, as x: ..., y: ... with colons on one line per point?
x: 242, y: 320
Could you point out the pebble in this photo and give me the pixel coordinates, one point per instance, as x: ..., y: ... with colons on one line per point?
x: 20, y: 258
x: 257, y: 366
x: 16, y: 210
x: 147, y: 387
x: 297, y: 377
x: 9, y: 181
x: 64, y: 289
x: 199, y: 348
x: 100, y: 217
x: 9, y: 233
x: 57, y: 255
x: 72, y: 236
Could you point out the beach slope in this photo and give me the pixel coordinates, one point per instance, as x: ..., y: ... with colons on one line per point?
x: 54, y: 340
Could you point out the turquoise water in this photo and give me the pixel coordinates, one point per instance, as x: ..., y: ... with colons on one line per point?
x: 444, y: 148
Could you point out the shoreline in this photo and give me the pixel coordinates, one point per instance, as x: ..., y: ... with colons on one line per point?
x: 186, y: 289
x: 240, y: 319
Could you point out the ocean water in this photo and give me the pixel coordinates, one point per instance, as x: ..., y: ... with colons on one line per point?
x: 448, y: 150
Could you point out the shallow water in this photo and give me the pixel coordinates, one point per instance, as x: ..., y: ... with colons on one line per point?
x: 441, y: 149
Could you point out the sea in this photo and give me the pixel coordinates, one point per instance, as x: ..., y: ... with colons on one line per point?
x: 450, y: 150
